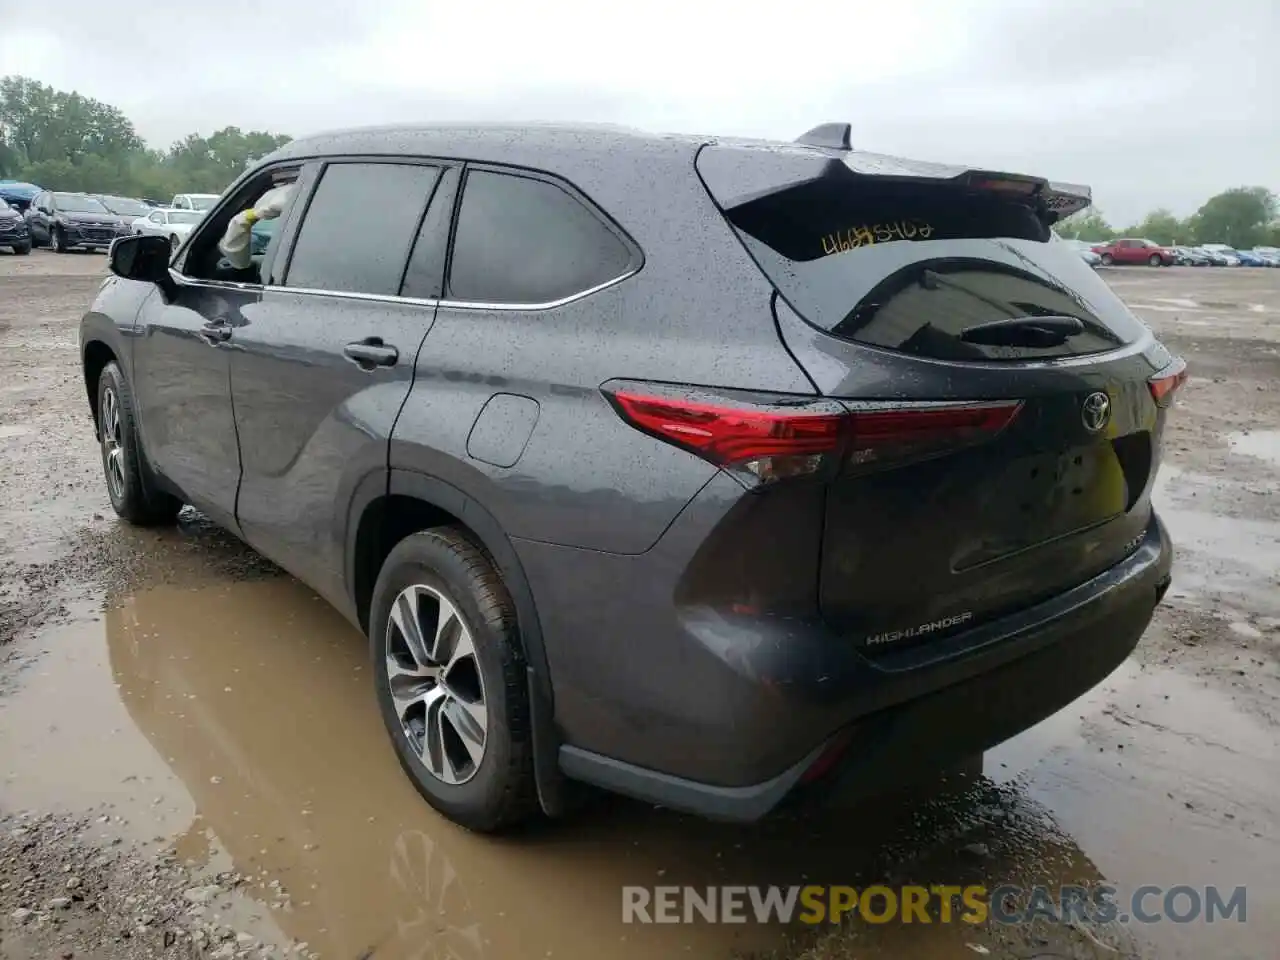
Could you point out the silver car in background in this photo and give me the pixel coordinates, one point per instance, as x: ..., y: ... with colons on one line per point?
x: 174, y: 224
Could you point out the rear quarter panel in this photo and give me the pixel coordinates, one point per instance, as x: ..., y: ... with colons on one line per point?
x: 697, y: 312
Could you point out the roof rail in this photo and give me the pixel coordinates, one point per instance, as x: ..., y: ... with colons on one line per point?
x: 833, y: 135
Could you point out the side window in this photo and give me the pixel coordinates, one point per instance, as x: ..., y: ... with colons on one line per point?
x: 424, y: 276
x: 525, y: 241
x: 357, y: 230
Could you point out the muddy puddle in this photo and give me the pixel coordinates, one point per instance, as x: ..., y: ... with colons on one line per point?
x: 1263, y: 444
x: 233, y: 723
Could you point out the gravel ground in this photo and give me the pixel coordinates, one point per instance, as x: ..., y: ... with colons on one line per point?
x: 181, y: 820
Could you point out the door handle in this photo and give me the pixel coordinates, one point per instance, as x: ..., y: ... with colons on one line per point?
x: 371, y: 352
x: 216, y: 332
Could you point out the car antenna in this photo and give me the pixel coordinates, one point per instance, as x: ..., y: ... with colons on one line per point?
x: 833, y: 135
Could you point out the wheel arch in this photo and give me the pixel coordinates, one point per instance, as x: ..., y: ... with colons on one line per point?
x: 95, y: 357
x: 382, y: 516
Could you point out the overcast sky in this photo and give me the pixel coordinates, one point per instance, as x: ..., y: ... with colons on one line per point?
x: 1151, y: 103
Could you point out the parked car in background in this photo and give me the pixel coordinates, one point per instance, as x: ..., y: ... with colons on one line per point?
x: 1215, y: 258
x: 194, y: 201
x: 1085, y: 249
x: 1269, y: 255
x: 127, y: 207
x: 18, y: 193
x: 65, y: 221
x: 173, y: 225
x: 260, y: 238
x: 465, y: 429
x: 14, y: 233
x: 1221, y: 252
x: 1248, y: 258
x: 1132, y: 250
x: 1191, y: 257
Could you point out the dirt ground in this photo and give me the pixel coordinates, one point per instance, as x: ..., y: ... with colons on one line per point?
x: 192, y: 765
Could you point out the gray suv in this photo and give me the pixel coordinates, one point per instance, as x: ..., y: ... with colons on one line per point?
x: 721, y: 474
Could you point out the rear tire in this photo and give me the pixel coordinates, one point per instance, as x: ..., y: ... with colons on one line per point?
x: 1108, y: 259
x: 1156, y: 260
x: 131, y: 497
x: 457, y: 709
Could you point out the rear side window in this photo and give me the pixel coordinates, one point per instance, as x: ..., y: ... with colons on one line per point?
x: 358, y: 227
x: 524, y: 241
x: 910, y: 266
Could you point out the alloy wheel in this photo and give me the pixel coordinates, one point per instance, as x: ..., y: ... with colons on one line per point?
x: 112, y: 449
x: 435, y: 683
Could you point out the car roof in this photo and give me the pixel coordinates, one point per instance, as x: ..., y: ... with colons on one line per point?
x: 537, y: 145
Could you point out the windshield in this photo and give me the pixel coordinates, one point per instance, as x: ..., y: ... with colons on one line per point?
x: 78, y: 203
x: 125, y: 207
x: 184, y: 216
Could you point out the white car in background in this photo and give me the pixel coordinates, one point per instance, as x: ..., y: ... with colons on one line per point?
x: 194, y: 201
x: 174, y: 224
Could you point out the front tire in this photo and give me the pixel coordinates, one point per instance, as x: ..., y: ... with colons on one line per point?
x: 22, y: 249
x: 1156, y: 260
x: 451, y: 682
x: 58, y: 240
x: 130, y: 495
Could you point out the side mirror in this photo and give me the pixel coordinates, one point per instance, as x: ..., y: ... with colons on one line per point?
x: 144, y: 258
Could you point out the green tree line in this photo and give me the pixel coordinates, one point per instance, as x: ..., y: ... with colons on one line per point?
x: 66, y: 141
x: 1242, y: 217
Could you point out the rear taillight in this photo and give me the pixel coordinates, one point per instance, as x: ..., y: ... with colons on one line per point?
x: 780, y: 438
x: 768, y: 441
x: 1166, y: 383
x: 911, y: 431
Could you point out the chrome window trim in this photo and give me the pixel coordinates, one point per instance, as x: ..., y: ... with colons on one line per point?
x: 456, y: 304
x: 187, y: 281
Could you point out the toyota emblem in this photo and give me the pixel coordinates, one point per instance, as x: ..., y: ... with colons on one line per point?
x: 1095, y: 411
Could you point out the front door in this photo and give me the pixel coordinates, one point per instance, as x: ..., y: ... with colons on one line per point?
x: 183, y: 343
x: 321, y: 369
x: 183, y: 391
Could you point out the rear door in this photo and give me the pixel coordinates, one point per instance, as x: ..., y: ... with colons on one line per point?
x: 38, y: 218
x: 321, y: 370
x: 1004, y: 429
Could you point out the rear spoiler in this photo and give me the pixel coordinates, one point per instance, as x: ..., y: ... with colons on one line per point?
x: 825, y: 151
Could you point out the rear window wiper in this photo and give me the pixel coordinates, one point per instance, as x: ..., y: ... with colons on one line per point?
x: 1023, y: 331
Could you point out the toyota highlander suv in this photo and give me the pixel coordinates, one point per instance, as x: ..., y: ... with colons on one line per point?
x: 722, y: 474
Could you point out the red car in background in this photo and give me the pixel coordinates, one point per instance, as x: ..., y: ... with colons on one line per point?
x: 1135, y: 251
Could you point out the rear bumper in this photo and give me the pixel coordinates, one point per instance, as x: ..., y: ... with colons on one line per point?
x: 797, y: 697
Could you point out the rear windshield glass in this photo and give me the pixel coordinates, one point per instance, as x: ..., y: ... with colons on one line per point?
x: 910, y: 267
